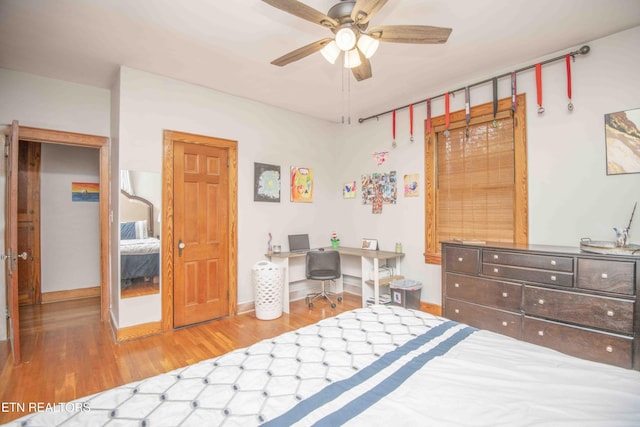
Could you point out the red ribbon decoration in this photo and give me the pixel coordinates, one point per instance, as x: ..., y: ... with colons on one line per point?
x: 446, y: 111
x: 411, y: 121
x: 428, y: 130
x: 394, y: 126
x: 567, y: 59
x: 539, y: 87
x: 514, y: 103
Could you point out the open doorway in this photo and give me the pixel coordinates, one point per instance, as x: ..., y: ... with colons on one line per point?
x: 45, y: 136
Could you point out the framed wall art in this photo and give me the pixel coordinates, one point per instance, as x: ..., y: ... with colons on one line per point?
x: 301, y: 184
x: 622, y: 136
x: 266, y: 183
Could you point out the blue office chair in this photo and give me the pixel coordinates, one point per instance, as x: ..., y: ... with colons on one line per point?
x: 324, y: 266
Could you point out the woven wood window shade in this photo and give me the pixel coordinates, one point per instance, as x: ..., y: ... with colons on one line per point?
x: 476, y: 182
x: 475, y: 179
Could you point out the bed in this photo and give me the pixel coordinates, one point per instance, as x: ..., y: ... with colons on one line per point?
x: 139, y: 249
x: 380, y: 365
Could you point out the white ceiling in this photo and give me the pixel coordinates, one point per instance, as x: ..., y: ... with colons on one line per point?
x: 228, y: 45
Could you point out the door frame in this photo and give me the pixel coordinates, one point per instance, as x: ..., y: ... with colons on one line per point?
x: 168, y: 245
x: 47, y: 136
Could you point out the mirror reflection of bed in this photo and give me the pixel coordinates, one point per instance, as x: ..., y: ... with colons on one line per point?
x: 139, y: 247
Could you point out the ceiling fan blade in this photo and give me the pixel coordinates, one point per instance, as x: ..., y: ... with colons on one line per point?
x: 419, y: 34
x: 303, y: 11
x: 301, y: 52
x: 362, y: 71
x: 364, y: 10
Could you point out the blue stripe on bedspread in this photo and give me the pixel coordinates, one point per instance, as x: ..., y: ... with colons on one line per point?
x: 361, y: 403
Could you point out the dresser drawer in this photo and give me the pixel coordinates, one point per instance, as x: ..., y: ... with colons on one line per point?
x: 528, y: 275
x: 462, y: 260
x: 499, y: 321
x: 505, y: 296
x: 580, y: 342
x: 589, y: 310
x: 606, y: 275
x: 545, y: 262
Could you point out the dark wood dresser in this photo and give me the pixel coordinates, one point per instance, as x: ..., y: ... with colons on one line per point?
x: 579, y: 303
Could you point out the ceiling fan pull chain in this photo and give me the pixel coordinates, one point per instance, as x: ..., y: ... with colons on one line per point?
x: 411, y: 122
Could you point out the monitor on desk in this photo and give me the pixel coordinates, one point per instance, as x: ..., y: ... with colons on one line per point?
x: 299, y: 243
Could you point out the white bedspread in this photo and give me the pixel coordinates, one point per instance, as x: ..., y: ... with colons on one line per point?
x: 376, y: 366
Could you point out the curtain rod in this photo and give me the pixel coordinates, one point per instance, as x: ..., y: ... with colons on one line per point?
x: 582, y: 51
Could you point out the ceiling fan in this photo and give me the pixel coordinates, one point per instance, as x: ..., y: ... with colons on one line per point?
x: 349, y: 21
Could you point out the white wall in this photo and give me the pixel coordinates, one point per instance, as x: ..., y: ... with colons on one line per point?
x: 570, y: 195
x: 150, y: 103
x: 70, y: 231
x: 51, y: 104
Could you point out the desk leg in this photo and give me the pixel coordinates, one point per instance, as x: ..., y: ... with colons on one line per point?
x: 376, y: 281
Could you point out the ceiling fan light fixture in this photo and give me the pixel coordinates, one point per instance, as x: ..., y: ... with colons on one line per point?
x: 352, y: 59
x: 346, y: 38
x: 331, y: 52
x: 368, y: 45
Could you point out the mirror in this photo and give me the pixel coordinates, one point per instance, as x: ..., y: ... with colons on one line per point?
x: 140, y: 212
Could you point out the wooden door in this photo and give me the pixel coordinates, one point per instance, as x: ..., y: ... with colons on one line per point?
x: 29, y: 291
x: 201, y: 240
x: 11, y: 241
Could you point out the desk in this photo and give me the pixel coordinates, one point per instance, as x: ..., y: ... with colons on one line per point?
x: 370, y: 265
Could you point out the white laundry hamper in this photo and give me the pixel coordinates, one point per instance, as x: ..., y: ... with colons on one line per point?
x: 267, y: 283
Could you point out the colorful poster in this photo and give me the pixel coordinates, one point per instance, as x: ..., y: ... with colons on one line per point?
x: 349, y: 190
x: 411, y: 185
x: 266, y: 183
x: 384, y: 184
x: 301, y: 184
x: 85, y: 191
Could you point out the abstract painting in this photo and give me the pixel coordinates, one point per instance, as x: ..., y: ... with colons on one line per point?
x: 301, y: 184
x: 622, y: 136
x: 266, y: 185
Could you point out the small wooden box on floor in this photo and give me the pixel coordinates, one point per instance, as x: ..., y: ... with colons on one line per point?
x: 575, y: 302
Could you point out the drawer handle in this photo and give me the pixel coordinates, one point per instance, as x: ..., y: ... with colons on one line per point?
x: 541, y: 333
x: 495, y: 256
x: 605, y: 275
x: 609, y: 349
x: 457, y: 311
x: 495, y: 270
x: 460, y: 259
x: 553, y: 262
x: 553, y: 278
x: 504, y: 323
x: 610, y: 313
x: 456, y: 285
x: 504, y: 294
x: 540, y: 301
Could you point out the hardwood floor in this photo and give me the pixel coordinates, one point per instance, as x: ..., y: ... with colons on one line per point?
x: 69, y: 353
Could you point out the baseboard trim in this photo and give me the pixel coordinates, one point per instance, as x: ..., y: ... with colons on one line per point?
x: 71, y: 294
x: 138, y: 331
x: 434, y: 309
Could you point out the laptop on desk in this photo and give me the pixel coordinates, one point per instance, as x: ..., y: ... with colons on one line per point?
x: 299, y: 243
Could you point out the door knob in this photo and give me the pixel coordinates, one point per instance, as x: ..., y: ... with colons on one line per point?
x: 181, y: 246
x: 23, y: 255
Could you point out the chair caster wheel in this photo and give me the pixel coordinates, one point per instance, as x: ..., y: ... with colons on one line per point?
x: 339, y: 299
x: 310, y: 305
x: 333, y: 306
